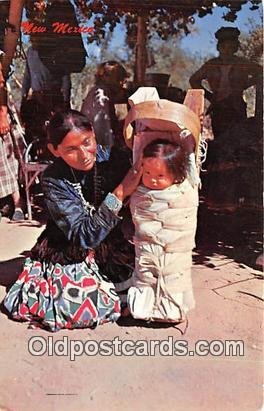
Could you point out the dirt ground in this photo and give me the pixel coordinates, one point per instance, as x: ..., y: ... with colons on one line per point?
x: 228, y: 291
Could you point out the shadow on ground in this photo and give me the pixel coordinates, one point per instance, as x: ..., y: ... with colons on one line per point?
x: 10, y: 270
x: 129, y: 321
x: 236, y: 235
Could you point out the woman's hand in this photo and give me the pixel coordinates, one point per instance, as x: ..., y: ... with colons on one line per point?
x: 129, y: 182
x: 4, y: 125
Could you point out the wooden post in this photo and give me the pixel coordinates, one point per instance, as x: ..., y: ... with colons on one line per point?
x: 11, y: 36
x: 194, y: 100
x: 141, y: 51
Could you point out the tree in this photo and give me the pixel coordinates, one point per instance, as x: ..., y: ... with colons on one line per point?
x: 251, y: 47
x: 164, y: 17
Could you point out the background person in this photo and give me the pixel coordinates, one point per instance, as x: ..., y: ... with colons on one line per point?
x: 8, y: 161
x: 99, y: 106
x: 228, y: 76
x: 235, y: 153
x: 42, y: 95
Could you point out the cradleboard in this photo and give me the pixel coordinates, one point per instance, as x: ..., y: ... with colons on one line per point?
x: 150, y: 118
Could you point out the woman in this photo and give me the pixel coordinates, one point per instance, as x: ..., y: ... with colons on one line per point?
x: 60, y: 286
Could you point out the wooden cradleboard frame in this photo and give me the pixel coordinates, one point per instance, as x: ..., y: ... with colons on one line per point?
x: 164, y: 119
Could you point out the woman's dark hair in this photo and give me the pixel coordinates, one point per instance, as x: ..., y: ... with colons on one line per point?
x: 108, y: 68
x: 63, y: 122
x: 173, y: 155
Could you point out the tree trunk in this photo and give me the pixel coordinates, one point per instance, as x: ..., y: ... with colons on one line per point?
x: 141, y: 51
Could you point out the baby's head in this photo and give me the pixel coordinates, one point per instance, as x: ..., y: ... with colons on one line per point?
x: 164, y: 163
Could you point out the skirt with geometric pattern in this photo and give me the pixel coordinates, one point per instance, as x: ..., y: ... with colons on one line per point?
x: 56, y: 296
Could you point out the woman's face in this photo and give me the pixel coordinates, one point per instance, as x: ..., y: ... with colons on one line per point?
x: 77, y: 149
x: 156, y: 175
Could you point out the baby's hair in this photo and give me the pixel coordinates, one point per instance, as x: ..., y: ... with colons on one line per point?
x: 62, y: 123
x: 173, y: 155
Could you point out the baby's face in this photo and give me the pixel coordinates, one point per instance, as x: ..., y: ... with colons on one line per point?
x: 156, y: 175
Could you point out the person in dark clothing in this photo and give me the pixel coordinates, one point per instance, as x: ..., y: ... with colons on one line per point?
x: 228, y: 76
x: 38, y: 78
x: 233, y: 148
x: 8, y: 162
x: 42, y: 95
x: 99, y: 106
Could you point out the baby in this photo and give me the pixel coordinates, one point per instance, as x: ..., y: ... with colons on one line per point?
x: 164, y: 212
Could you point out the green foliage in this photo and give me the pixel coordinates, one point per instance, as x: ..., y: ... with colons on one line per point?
x: 165, y: 28
x: 165, y: 17
x: 251, y: 45
x: 251, y: 48
x: 171, y: 59
x: 81, y: 83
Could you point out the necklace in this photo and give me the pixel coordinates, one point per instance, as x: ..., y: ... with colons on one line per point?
x: 97, y: 193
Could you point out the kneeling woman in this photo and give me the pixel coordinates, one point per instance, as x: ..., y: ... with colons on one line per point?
x: 61, y: 286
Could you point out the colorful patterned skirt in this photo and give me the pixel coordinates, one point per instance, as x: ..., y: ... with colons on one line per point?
x: 56, y: 296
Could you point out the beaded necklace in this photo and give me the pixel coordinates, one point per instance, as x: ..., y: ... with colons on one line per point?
x: 97, y: 192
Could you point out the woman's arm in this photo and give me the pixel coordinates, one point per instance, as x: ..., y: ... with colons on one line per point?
x: 255, y: 75
x: 85, y: 229
x: 4, y: 124
x: 196, y: 81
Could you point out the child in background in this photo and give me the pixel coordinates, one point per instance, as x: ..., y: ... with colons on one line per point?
x: 164, y: 212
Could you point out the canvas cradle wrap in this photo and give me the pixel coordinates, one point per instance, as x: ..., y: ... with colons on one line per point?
x: 165, y: 220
